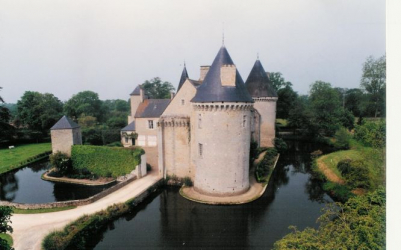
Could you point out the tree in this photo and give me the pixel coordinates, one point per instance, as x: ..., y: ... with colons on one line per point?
x: 156, y: 89
x: 5, y: 220
x: 84, y: 103
x: 6, y: 130
x: 286, y: 101
x: 355, y: 102
x: 38, y: 111
x: 325, y: 105
x: 278, y: 81
x: 373, y: 81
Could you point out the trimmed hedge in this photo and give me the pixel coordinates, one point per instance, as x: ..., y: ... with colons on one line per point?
x: 105, y: 161
x: 265, y: 168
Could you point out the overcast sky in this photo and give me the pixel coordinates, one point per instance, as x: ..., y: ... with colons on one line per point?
x: 64, y: 47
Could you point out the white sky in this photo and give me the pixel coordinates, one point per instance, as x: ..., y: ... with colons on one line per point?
x: 63, y: 47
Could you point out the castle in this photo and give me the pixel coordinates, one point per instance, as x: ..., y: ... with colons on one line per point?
x: 204, y: 131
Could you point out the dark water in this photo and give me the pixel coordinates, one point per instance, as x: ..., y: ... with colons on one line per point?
x: 168, y: 221
x: 26, y: 186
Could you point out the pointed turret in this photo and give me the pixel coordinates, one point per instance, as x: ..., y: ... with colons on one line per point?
x: 184, y: 76
x: 223, y: 83
x: 258, y: 83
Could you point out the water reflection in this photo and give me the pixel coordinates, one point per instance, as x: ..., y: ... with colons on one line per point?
x: 169, y: 221
x: 26, y: 186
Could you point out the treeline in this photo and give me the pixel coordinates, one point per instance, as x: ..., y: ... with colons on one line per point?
x: 327, y: 108
x: 30, y: 119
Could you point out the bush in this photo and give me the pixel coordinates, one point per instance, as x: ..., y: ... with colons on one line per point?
x: 358, y: 175
x: 344, y: 166
x: 115, y: 144
x: 188, y: 181
x: 280, y: 145
x: 265, y: 167
x: 339, y: 192
x: 342, y: 139
x: 371, y: 134
x: 101, y: 161
x: 61, y: 162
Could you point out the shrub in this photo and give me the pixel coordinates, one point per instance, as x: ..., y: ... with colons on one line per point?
x: 358, y: 175
x: 342, y: 138
x: 188, y: 181
x: 61, y: 162
x: 265, y: 167
x: 339, y: 192
x: 344, y: 166
x: 115, y: 144
x: 280, y: 145
x: 101, y: 161
x: 371, y: 134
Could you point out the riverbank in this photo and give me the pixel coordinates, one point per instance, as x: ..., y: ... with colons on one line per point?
x: 22, y: 155
x: 30, y: 229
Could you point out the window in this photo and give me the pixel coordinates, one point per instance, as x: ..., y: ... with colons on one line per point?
x: 244, y: 121
x: 150, y: 123
x: 199, y: 121
x: 200, y: 150
x: 182, y: 102
x: 126, y: 139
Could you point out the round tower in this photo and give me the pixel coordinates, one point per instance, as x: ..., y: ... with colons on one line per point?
x: 221, y: 127
x: 265, y: 97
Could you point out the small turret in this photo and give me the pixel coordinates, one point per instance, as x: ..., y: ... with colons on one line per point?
x: 64, y: 134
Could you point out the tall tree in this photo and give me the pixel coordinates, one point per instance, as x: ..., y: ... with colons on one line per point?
x: 6, y: 130
x: 286, y: 101
x: 157, y: 89
x: 373, y: 81
x: 39, y: 111
x: 84, y: 103
x: 278, y: 81
x: 5, y: 220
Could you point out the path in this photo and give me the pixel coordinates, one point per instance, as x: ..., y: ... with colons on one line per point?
x: 331, y: 176
x: 30, y: 229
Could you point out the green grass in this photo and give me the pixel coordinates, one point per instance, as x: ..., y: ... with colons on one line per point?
x: 8, y: 238
x: 372, y: 159
x: 13, y: 158
x: 41, y: 210
x: 282, y: 122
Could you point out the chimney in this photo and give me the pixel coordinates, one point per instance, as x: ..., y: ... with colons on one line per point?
x: 172, y: 94
x: 203, y: 72
x: 142, y: 94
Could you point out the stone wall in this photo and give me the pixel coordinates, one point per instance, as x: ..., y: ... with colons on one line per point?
x: 176, y: 146
x: 220, y: 147
x: 140, y: 170
x: 62, y: 140
x: 267, y: 108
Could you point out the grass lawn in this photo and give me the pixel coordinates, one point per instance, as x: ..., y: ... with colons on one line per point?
x: 11, y: 158
x: 7, y: 237
x: 41, y: 210
x: 372, y: 159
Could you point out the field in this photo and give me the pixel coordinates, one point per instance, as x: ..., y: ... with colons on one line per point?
x: 12, y: 158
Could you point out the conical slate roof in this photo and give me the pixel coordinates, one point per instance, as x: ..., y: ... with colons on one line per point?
x: 258, y: 83
x: 212, y: 90
x: 65, y: 123
x: 184, y: 76
x: 137, y: 90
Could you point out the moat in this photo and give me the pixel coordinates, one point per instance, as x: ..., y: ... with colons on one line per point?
x: 167, y: 221
x: 26, y: 186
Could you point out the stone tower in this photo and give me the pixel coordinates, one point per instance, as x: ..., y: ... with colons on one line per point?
x: 220, y: 130
x: 64, y: 134
x: 264, y: 113
x: 136, y: 97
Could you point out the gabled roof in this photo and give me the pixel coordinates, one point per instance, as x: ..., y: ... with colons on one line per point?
x: 137, y: 90
x: 129, y: 127
x: 65, y: 123
x: 184, y: 76
x: 152, y: 108
x: 212, y: 90
x: 258, y: 83
x: 195, y: 83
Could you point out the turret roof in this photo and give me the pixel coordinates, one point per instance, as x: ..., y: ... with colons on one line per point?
x: 65, y: 123
x: 129, y: 127
x: 137, y: 90
x: 258, y: 83
x: 184, y: 76
x: 212, y: 90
